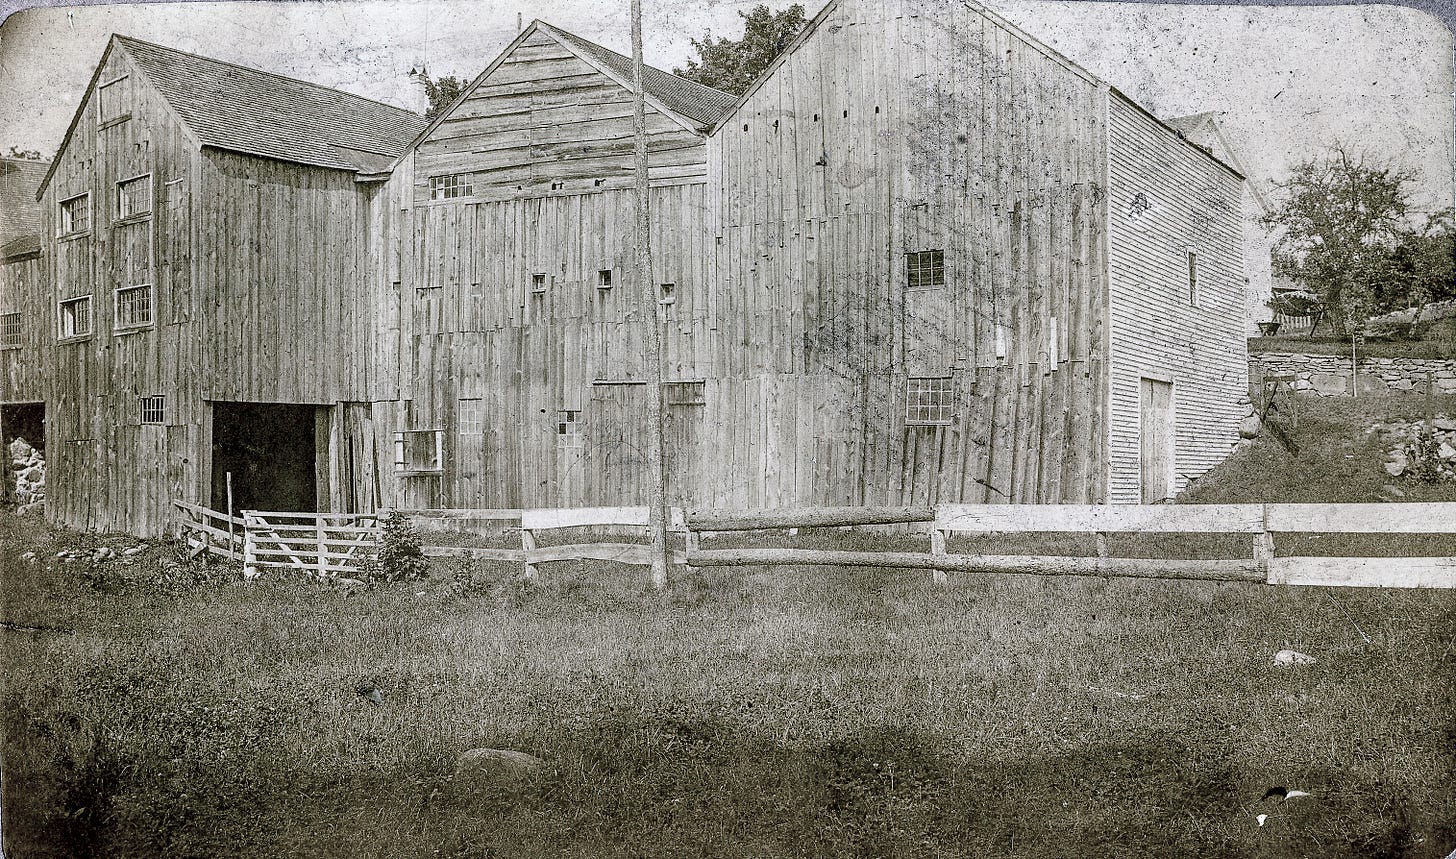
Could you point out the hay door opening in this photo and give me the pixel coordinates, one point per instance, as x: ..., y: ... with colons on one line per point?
x: 271, y: 450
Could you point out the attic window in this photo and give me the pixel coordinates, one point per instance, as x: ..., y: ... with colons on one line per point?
x: 76, y: 215
x: 134, y: 197
x: 450, y: 187
x: 924, y: 269
x: 111, y: 103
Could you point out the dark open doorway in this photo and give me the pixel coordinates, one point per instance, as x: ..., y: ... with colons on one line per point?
x: 270, y: 449
x: 23, y: 420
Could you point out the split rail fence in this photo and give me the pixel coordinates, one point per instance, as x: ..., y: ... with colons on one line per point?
x: 332, y: 545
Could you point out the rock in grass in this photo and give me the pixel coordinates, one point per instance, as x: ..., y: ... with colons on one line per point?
x: 1250, y: 427
x: 1292, y: 657
x: 488, y: 768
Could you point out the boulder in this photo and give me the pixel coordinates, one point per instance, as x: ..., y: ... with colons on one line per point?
x: 1370, y: 385
x: 1292, y: 657
x: 1444, y: 424
x: 1250, y: 427
x: 488, y: 768
x: 1446, y: 451
x: 1329, y: 384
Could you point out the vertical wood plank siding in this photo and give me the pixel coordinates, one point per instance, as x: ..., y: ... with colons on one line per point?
x: 1188, y: 202
x: 23, y: 290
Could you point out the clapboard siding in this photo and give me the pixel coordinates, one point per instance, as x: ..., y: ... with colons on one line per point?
x: 545, y: 116
x: 1188, y: 202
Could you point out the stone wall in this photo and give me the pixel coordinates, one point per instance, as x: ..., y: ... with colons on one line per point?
x: 1329, y: 375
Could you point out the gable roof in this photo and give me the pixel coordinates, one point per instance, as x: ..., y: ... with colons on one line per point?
x: 699, y: 103
x: 1204, y: 131
x: 19, y: 212
x: 242, y: 109
x: 692, y: 105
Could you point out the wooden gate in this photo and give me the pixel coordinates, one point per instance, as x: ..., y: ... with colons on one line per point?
x: 323, y: 545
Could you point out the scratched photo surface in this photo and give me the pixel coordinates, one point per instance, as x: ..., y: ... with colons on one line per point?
x: 866, y: 428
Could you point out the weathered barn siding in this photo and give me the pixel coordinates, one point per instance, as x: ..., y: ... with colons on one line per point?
x: 542, y: 118
x: 898, y: 127
x: 107, y: 470
x: 1189, y: 202
x: 23, y: 290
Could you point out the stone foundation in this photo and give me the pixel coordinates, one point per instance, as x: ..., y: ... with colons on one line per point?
x: 1329, y: 375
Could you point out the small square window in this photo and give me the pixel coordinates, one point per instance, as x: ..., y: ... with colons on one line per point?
x: 134, y: 197
x: 75, y: 317
x: 450, y: 187
x: 929, y: 401
x: 153, y: 409
x: 666, y: 293
x: 566, y: 423
x: 133, y: 306
x: 1192, y: 277
x: 604, y: 279
x: 924, y: 269
x: 538, y: 283
x: 419, y: 452
x: 76, y: 215
x: 10, y: 330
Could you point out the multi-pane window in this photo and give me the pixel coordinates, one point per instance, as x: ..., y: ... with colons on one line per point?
x: 538, y: 283
x: 684, y: 393
x: 924, y: 269
x: 153, y: 409
x: 1192, y: 276
x: 604, y: 279
x: 76, y: 215
x: 929, y: 401
x: 566, y: 421
x: 9, y: 330
x: 450, y: 187
x: 469, y: 418
x: 75, y: 317
x: 133, y: 306
x: 134, y: 197
x: 110, y: 101
x: 419, y: 451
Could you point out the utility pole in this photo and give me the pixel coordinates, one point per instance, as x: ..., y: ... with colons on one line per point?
x: 652, y: 337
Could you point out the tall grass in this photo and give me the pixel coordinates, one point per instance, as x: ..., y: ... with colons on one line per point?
x: 768, y: 713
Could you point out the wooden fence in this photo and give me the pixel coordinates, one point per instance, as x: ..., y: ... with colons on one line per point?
x: 324, y: 545
x: 211, y: 532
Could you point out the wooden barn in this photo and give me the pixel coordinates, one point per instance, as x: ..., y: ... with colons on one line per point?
x: 206, y: 241
x: 924, y: 259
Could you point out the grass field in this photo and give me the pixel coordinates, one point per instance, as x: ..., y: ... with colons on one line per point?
x: 817, y: 713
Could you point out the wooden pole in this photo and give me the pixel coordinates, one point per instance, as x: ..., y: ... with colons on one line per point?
x: 231, y: 543
x: 652, y: 336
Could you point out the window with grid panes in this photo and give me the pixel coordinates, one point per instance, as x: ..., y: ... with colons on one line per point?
x: 76, y: 215
x: 924, y: 269
x: 450, y: 187
x: 9, y: 330
x: 566, y: 424
x: 929, y: 401
x: 684, y: 393
x: 134, y: 197
x: 419, y: 452
x: 469, y: 419
x: 153, y: 409
x: 133, y: 306
x: 75, y: 317
x: 110, y: 101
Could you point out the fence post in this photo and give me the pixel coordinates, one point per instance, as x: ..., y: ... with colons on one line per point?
x: 1264, y: 545
x: 250, y: 570
x: 528, y: 545
x: 323, y: 561
x: 937, y: 547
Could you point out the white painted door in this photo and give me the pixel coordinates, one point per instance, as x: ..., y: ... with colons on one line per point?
x: 1157, y: 440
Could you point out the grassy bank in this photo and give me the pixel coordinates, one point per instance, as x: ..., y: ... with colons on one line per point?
x: 796, y: 713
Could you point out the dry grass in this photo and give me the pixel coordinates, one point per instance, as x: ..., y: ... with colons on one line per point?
x: 788, y: 713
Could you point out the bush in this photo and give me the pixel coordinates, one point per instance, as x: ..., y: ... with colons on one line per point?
x: 399, y: 558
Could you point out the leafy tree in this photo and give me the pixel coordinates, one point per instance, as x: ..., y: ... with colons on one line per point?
x: 1338, y: 229
x: 1423, y: 266
x: 23, y: 154
x: 441, y: 92
x: 732, y: 65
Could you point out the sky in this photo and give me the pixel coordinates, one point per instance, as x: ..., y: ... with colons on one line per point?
x: 1287, y: 81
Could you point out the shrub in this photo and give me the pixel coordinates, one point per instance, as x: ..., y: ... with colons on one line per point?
x: 399, y: 558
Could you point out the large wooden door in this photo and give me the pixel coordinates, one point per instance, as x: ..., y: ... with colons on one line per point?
x: 1157, y: 440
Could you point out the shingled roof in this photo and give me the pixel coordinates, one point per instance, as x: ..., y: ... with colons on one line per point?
x: 19, y: 212
x: 246, y: 110
x: 693, y: 100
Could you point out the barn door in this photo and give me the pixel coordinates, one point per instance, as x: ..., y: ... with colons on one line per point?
x: 1157, y: 440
